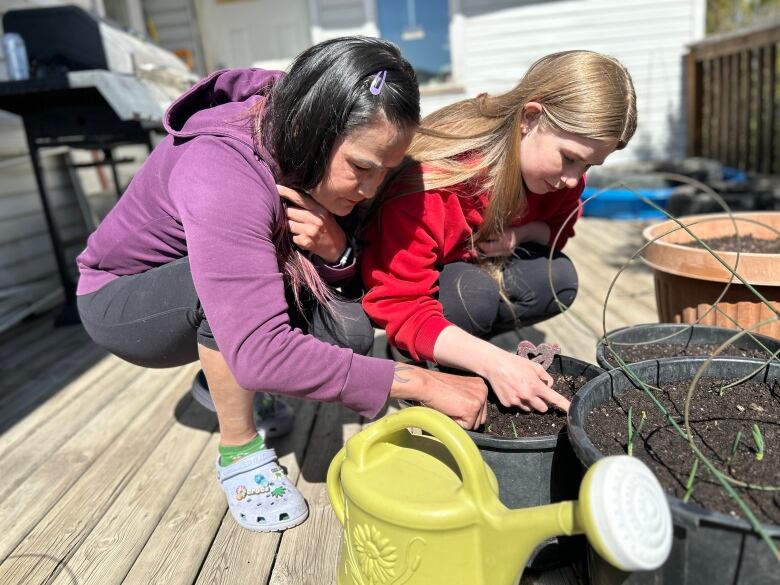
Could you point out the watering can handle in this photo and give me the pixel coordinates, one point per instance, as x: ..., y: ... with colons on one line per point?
x: 460, y: 445
x: 335, y: 493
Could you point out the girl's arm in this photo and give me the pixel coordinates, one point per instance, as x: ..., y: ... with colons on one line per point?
x: 504, y: 244
x: 515, y: 380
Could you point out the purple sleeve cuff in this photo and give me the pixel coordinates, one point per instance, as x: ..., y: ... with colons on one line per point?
x: 368, y: 385
x: 333, y: 274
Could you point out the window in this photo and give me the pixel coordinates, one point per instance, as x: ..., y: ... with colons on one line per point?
x: 421, y: 29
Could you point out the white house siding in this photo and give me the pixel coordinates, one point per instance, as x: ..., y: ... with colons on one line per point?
x: 337, y: 18
x: 175, y: 23
x: 493, y: 43
x: 28, y: 270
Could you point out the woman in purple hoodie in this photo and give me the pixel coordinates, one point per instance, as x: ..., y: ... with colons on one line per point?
x: 228, y: 242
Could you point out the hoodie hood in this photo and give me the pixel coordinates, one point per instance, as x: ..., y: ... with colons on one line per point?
x: 218, y: 105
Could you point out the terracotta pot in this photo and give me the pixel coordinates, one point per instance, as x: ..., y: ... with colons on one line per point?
x: 689, y: 280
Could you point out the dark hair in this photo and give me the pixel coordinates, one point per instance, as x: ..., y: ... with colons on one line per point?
x: 326, y: 95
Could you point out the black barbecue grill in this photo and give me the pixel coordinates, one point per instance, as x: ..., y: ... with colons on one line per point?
x: 91, y: 86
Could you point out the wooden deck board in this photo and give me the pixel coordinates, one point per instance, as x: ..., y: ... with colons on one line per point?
x: 48, y: 547
x: 297, y: 561
x: 108, y: 469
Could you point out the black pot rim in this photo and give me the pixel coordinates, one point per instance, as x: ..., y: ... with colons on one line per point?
x: 669, y: 328
x: 588, y: 453
x: 526, y: 443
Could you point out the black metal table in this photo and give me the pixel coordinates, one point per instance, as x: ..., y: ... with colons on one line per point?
x: 74, y: 110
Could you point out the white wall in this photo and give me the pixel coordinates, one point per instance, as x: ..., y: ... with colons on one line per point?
x: 337, y: 18
x: 493, y: 43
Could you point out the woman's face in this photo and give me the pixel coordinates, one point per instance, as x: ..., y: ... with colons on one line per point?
x: 359, y: 163
x: 551, y: 159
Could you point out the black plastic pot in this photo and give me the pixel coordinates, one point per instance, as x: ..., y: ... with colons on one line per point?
x: 678, y: 334
x: 534, y: 471
x: 709, y: 548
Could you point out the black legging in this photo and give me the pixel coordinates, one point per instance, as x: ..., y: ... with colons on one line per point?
x: 471, y: 300
x: 154, y: 319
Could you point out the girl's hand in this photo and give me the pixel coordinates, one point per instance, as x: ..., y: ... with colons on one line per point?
x: 506, y: 242
x: 313, y: 227
x: 462, y: 398
x: 520, y: 382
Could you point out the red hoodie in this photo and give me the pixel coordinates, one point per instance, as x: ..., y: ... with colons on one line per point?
x: 416, y: 234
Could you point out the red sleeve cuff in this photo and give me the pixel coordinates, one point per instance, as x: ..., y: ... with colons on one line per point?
x: 426, y: 337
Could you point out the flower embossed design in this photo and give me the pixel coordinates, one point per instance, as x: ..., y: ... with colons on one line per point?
x: 375, y: 555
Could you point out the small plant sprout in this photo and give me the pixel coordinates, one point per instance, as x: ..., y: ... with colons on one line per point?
x: 759, y: 441
x: 514, y: 428
x: 633, y: 433
x: 735, y: 445
x: 691, y: 480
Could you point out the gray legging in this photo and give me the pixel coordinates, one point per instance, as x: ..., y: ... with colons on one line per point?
x: 470, y: 296
x: 154, y: 319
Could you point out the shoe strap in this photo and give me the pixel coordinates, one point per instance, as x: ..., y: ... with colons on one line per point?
x: 245, y: 464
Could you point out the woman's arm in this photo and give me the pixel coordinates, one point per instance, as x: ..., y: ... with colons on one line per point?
x: 463, y: 398
x: 515, y: 380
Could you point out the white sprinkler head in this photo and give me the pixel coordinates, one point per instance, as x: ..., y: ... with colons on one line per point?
x: 629, y: 511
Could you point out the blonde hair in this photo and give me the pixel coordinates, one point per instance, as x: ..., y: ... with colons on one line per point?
x: 581, y: 92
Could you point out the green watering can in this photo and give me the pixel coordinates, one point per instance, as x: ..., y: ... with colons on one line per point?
x: 424, y: 510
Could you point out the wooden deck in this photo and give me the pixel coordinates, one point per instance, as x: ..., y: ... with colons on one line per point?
x: 107, y: 469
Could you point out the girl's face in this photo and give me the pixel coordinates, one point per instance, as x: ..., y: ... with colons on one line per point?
x: 551, y: 159
x: 359, y: 163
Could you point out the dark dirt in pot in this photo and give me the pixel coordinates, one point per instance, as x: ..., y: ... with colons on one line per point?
x: 747, y: 245
x: 513, y: 423
x: 716, y: 421
x: 650, y: 351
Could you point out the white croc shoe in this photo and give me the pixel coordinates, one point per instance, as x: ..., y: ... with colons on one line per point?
x: 273, y: 416
x: 260, y: 496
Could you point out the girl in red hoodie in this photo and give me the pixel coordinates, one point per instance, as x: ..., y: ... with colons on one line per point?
x: 460, y: 248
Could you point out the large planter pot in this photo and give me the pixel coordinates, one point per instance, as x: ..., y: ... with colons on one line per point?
x: 534, y: 471
x: 687, y: 337
x: 688, y: 280
x: 709, y: 548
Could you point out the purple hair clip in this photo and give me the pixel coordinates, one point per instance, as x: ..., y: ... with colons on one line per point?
x: 378, y: 83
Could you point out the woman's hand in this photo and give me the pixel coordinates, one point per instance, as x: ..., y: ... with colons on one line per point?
x: 506, y: 242
x: 515, y: 380
x: 313, y: 227
x: 462, y: 398
x: 519, y: 382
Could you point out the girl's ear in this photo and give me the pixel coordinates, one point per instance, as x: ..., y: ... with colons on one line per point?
x: 531, y: 113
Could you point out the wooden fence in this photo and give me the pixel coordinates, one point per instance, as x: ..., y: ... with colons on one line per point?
x: 734, y: 99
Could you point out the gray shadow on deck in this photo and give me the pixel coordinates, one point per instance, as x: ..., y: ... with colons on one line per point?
x: 58, y: 566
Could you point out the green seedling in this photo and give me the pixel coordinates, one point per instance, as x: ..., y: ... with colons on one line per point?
x: 514, y: 428
x: 691, y: 480
x: 633, y: 433
x: 759, y: 441
x: 735, y: 445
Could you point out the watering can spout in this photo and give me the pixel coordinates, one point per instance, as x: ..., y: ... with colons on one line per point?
x: 522, y: 531
x: 622, y: 510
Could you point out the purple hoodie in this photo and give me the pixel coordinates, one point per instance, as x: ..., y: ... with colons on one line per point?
x: 204, y: 192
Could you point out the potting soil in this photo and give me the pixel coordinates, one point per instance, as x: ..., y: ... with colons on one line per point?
x: 650, y: 351
x: 500, y: 419
x: 716, y: 420
x: 747, y: 244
